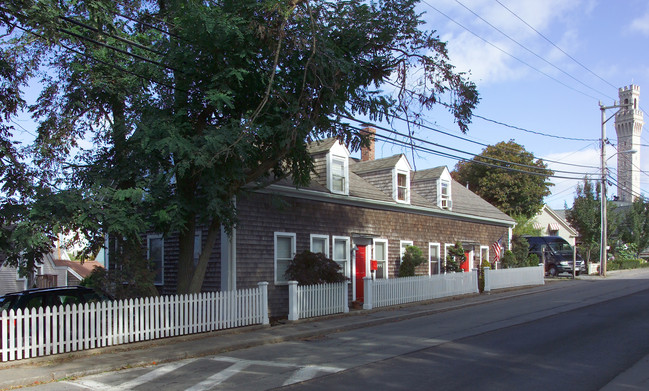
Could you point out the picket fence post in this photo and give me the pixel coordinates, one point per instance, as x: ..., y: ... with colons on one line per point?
x: 487, y: 283
x: 263, y: 287
x: 367, y: 293
x: 292, y: 301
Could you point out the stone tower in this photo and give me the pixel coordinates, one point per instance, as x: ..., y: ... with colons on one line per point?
x: 628, y: 126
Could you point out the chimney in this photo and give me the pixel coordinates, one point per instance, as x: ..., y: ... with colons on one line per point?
x: 367, y: 153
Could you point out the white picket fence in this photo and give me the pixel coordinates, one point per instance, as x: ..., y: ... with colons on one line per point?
x: 394, y: 291
x: 309, y: 301
x: 46, y: 331
x: 507, y: 278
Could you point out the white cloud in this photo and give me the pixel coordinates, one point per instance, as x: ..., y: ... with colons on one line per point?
x: 489, y: 64
x: 641, y: 24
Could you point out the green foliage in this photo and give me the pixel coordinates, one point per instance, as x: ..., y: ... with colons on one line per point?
x: 485, y: 264
x: 509, y: 260
x: 215, y: 99
x: 132, y: 279
x: 584, y: 216
x: 626, y: 258
x: 634, y: 227
x: 455, y: 258
x: 515, y: 193
x: 309, y: 268
x: 525, y: 226
x: 412, y: 258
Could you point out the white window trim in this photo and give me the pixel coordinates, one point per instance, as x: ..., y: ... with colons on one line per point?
x: 387, y: 258
x: 346, y: 239
x: 446, y: 247
x: 402, y: 250
x: 441, y: 197
x: 330, y: 158
x: 395, y: 185
x: 276, y: 235
x: 430, y: 255
x: 162, y: 261
x: 316, y: 236
x: 483, y: 248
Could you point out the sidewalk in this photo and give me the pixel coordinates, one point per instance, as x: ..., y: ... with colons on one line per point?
x: 77, y: 364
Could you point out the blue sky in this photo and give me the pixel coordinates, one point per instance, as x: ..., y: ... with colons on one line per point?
x: 610, y: 39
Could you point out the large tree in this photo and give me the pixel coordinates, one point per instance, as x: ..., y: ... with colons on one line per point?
x: 634, y: 224
x: 508, y: 177
x: 191, y: 103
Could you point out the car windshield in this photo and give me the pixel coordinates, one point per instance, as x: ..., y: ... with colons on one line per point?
x: 6, y: 303
x: 560, y: 247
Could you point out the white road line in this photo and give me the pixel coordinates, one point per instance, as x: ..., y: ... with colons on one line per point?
x: 220, y: 377
x: 89, y: 384
x: 129, y: 385
x: 302, y: 374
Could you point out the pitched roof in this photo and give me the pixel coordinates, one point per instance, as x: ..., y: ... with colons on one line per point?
x: 428, y: 174
x: 465, y: 202
x: 374, y: 165
x: 320, y: 146
x: 82, y: 269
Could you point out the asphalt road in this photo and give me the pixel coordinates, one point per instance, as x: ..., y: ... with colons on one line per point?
x: 582, y: 349
x: 576, y: 335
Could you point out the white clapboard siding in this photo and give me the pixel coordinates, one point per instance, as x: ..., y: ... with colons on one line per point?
x: 45, y: 331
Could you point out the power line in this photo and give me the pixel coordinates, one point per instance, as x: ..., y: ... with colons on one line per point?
x: 530, y: 51
x: 456, y: 157
x: 509, y: 54
x: 553, y: 44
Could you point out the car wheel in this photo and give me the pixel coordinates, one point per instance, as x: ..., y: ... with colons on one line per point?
x: 553, y: 271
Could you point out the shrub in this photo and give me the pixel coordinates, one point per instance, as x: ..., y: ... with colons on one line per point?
x: 509, y: 260
x: 309, y: 268
x: 412, y: 258
x: 455, y: 258
x: 485, y: 263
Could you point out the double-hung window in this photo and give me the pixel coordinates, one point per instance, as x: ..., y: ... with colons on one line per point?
x: 433, y: 258
x: 341, y: 253
x: 284, y: 253
x: 338, y: 175
x: 320, y: 244
x: 402, y: 187
x: 381, y: 257
x: 155, y: 255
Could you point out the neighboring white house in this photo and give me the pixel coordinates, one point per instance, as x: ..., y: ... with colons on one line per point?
x: 56, y: 270
x: 552, y: 224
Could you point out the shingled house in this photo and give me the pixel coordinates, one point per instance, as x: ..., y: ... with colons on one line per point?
x: 354, y: 211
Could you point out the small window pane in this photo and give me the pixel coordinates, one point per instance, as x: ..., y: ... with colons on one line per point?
x: 340, y: 250
x: 284, y: 247
x: 319, y: 245
x: 156, y: 258
x: 379, y: 251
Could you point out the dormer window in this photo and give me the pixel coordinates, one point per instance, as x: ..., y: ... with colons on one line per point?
x: 402, y: 187
x: 338, y: 177
x: 338, y: 170
x: 445, y: 194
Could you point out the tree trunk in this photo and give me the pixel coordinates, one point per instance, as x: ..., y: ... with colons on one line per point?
x: 201, y: 268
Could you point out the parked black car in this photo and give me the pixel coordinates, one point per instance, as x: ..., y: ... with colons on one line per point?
x: 49, y: 297
x: 556, y: 254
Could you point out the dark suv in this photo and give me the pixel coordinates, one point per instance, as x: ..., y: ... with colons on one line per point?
x: 49, y: 297
x: 556, y: 254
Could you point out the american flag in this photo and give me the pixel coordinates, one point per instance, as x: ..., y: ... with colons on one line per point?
x: 498, y: 248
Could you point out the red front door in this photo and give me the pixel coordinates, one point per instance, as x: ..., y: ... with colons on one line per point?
x: 361, y: 271
x: 466, y: 265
